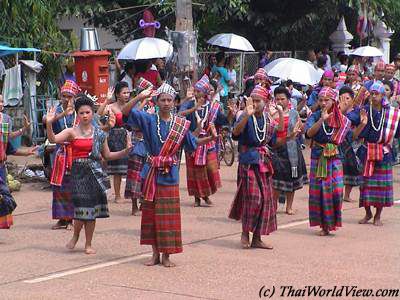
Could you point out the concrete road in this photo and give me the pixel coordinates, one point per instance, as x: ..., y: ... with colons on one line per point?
x: 35, y: 264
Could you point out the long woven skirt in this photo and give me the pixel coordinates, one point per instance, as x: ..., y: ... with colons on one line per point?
x: 133, y: 187
x: 253, y: 202
x: 351, y: 175
x: 89, y: 199
x: 203, y: 181
x: 161, y: 220
x: 282, y: 178
x: 62, y: 206
x: 117, y: 142
x: 377, y: 190
x: 325, y: 195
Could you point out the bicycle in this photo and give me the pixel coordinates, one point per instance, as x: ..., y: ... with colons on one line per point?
x: 227, y: 149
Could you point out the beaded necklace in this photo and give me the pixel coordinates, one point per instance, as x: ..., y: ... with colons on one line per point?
x: 171, y: 121
x: 263, y: 131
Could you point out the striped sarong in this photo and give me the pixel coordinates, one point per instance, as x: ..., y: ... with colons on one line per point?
x: 325, y: 195
x: 161, y: 220
x: 253, y: 202
x: 62, y: 206
x: 203, y: 181
x: 377, y: 190
x: 133, y: 188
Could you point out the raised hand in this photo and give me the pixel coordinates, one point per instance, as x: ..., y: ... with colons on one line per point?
x: 27, y: 123
x: 145, y: 94
x: 324, y: 115
x: 70, y: 107
x: 363, y: 116
x: 51, y: 115
x: 213, y: 131
x: 110, y: 94
x: 129, y: 145
x: 111, y: 119
x: 249, y: 110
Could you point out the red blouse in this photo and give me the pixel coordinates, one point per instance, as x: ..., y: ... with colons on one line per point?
x: 81, y: 147
x: 283, y: 133
x: 119, y: 119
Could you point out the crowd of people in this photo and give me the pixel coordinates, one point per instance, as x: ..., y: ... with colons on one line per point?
x: 349, y: 119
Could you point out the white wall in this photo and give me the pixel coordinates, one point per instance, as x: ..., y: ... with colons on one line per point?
x: 107, y: 39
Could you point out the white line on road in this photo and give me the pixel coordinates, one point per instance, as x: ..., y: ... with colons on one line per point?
x: 120, y: 261
x: 86, y: 269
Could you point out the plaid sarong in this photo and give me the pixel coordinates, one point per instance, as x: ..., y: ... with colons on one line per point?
x: 161, y: 220
x: 325, y: 195
x: 133, y: 187
x: 203, y: 181
x: 201, y: 152
x: 166, y: 157
x: 253, y: 202
x: 377, y: 190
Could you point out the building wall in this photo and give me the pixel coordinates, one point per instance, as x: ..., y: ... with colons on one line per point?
x: 107, y: 39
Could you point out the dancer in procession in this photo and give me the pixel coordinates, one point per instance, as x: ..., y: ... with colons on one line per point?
x: 254, y: 203
x: 327, y: 128
x: 88, y: 181
x: 377, y: 124
x: 137, y: 157
x: 164, y: 133
x: 62, y: 207
x: 118, y: 134
x: 290, y: 172
x: 203, y: 178
x: 348, y: 148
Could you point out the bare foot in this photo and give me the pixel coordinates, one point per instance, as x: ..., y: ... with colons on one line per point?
x: 290, y: 212
x: 61, y: 224
x: 378, y: 222
x: 365, y: 219
x: 89, y: 250
x: 208, y: 201
x: 166, y: 262
x: 196, y: 202
x: 245, y: 241
x: 323, y: 232
x: 72, y: 243
x: 135, y: 209
x: 69, y: 226
x: 258, y: 243
x: 155, y: 260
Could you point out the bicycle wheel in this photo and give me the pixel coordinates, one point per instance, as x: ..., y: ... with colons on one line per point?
x: 229, y: 153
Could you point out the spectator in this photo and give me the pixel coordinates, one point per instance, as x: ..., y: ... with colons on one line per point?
x: 143, y: 69
x: 230, y: 65
x: 328, y: 64
x: 224, y: 79
x: 212, y: 61
x: 128, y: 75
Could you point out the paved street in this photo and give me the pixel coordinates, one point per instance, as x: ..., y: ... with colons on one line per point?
x: 36, y: 265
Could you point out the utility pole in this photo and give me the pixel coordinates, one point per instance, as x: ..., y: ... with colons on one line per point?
x: 187, y: 52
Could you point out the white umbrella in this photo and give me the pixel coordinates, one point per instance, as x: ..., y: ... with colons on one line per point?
x: 146, y: 48
x: 294, y: 69
x: 367, y: 51
x: 231, y: 41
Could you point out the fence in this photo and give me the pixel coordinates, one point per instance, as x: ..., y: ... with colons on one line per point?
x: 246, y: 63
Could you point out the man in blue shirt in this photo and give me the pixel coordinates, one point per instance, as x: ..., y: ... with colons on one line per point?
x: 224, y: 79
